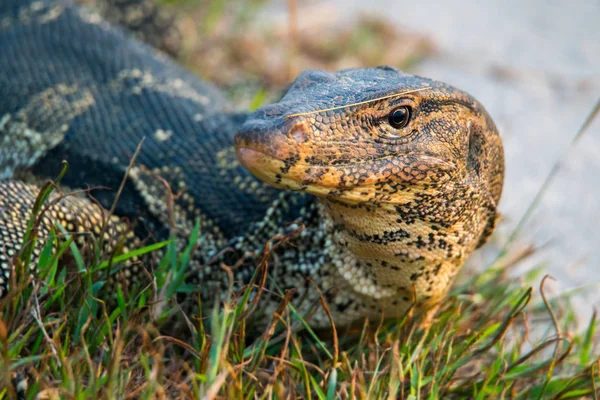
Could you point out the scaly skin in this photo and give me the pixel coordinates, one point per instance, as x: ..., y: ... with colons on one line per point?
x: 394, y: 207
x: 404, y: 206
x: 88, y: 224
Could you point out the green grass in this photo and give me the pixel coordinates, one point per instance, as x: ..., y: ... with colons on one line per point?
x: 494, y: 337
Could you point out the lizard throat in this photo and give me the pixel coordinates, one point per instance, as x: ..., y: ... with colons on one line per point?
x: 383, y: 260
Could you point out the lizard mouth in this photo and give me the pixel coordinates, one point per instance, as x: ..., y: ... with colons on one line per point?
x: 265, y: 167
x: 256, y: 161
x: 294, y: 174
x: 265, y: 149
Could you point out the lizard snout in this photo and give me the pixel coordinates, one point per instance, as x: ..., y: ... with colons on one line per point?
x: 277, y: 138
x: 270, y: 148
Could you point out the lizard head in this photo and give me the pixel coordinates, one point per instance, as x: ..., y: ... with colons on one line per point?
x: 369, y: 135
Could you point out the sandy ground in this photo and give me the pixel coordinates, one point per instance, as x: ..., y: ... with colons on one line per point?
x: 535, y: 65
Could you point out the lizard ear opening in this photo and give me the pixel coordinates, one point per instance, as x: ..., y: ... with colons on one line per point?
x: 493, y: 220
x: 478, y: 169
x: 476, y: 149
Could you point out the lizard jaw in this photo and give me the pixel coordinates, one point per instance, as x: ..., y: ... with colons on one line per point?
x: 265, y: 167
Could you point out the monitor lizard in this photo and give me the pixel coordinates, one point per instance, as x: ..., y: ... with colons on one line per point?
x: 388, y: 181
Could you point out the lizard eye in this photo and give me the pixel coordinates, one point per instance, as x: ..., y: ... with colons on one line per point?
x: 399, y: 117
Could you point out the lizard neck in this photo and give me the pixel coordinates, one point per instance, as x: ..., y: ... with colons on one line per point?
x: 383, y: 251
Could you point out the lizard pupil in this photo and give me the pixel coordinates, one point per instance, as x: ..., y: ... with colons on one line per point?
x: 399, y: 117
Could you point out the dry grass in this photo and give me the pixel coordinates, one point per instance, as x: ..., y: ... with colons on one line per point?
x: 492, y: 338
x: 224, y: 44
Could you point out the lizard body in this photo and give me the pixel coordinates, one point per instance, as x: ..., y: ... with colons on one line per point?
x: 398, y: 207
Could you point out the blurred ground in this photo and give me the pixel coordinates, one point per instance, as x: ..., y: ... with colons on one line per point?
x: 235, y: 45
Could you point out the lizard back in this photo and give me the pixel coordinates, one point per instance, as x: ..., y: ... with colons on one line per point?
x: 75, y: 88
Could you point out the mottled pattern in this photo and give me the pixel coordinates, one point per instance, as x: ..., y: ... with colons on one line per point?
x: 398, y: 210
x: 123, y: 91
x: 28, y: 133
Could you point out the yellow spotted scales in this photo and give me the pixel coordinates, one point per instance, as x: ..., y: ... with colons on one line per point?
x: 87, y: 222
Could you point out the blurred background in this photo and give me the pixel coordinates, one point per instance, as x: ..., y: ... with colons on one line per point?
x: 534, y: 64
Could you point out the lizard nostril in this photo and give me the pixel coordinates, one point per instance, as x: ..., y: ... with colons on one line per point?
x: 299, y: 132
